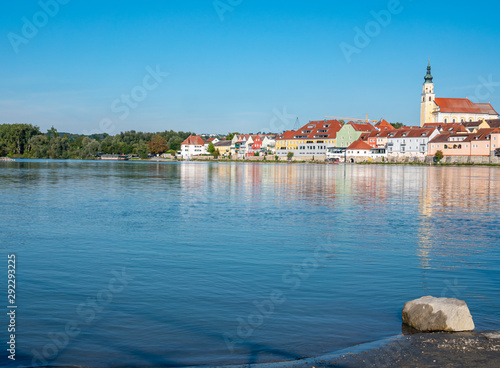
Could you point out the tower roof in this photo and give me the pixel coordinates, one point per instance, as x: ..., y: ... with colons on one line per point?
x: 429, y: 77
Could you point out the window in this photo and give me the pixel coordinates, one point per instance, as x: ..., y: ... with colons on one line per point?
x: 446, y: 121
x: 454, y: 120
x: 430, y: 98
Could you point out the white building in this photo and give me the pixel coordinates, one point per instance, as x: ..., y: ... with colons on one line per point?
x: 268, y: 143
x: 211, y: 140
x: 362, y: 151
x: 193, y: 146
x: 410, y: 142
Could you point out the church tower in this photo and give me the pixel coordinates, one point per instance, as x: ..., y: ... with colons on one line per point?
x: 427, y: 103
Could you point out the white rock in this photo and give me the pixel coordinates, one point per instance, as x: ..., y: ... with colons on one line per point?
x: 429, y: 314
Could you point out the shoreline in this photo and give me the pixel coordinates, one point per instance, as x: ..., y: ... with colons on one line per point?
x: 438, y: 349
x: 266, y: 162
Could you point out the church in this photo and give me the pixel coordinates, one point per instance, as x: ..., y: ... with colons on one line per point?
x: 450, y: 110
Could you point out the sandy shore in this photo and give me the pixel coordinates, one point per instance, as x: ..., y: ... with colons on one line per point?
x: 464, y: 349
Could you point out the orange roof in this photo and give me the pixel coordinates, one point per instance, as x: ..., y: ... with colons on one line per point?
x: 384, y: 125
x: 322, y: 129
x: 193, y: 140
x: 360, y: 145
x: 481, y: 135
x: 464, y: 105
x: 411, y: 132
x: 362, y: 127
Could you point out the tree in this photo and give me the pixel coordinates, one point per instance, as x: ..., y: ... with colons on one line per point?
x: 39, y: 145
x: 216, y: 154
x: 230, y: 136
x: 52, y: 133
x: 211, y: 148
x: 143, y: 150
x: 90, y: 147
x: 157, y: 145
x: 398, y: 125
x: 290, y: 156
x: 59, y: 148
x: 15, y: 137
x: 438, y: 156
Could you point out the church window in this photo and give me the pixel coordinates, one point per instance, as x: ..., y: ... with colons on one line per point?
x: 454, y: 120
x: 430, y: 98
x: 446, y: 121
x: 423, y: 99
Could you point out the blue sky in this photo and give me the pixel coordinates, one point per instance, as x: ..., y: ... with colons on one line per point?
x: 251, y: 66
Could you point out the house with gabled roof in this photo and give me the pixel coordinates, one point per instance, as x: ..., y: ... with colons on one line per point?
x: 361, y: 151
x: 351, y: 132
x: 482, y: 143
x: 312, y: 140
x: 410, y: 142
x: 194, y: 145
x: 384, y: 125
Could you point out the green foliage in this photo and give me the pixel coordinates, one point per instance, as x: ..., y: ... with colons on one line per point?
x: 257, y: 154
x: 14, y: 138
x: 26, y: 140
x: 216, y: 153
x: 276, y: 158
x: 211, y: 148
x: 398, y: 125
x: 157, y: 144
x: 230, y: 136
x: 290, y: 155
x: 438, y: 156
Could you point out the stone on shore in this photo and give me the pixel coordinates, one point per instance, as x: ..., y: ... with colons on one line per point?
x: 429, y: 314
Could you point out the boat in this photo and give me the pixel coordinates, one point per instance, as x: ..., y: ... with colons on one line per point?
x: 114, y: 157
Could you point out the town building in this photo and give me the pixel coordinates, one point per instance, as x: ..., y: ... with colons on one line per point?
x: 360, y: 151
x: 245, y: 145
x: 411, y: 143
x: 450, y: 110
x: 312, y: 140
x: 212, y: 140
x: 351, y: 132
x: 482, y: 143
x: 224, y: 147
x: 268, y: 142
x: 194, y: 145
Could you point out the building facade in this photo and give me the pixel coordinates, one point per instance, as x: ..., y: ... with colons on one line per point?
x: 194, y: 145
x: 410, y: 142
x: 450, y: 110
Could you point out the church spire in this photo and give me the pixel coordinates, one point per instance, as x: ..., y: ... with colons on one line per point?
x: 429, y: 77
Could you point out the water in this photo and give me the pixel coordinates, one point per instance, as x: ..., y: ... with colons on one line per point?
x: 124, y: 264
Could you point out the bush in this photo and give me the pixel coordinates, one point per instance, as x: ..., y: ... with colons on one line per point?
x: 438, y: 156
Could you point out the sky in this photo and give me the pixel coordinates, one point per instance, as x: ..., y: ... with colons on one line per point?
x: 238, y: 65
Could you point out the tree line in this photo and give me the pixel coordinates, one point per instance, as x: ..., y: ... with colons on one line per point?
x: 27, y: 141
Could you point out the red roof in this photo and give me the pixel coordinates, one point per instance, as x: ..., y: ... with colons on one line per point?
x: 384, y: 125
x: 464, y: 105
x: 411, y: 132
x: 319, y: 130
x: 481, y: 135
x: 360, y: 145
x: 362, y: 127
x: 193, y: 140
